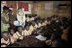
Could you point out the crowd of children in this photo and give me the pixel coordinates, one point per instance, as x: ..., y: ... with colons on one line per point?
x: 54, y: 28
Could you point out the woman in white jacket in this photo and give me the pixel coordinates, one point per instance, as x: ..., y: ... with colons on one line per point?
x: 21, y: 17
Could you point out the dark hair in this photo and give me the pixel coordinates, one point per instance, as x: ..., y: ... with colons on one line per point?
x: 5, y: 8
x: 48, y: 18
x: 28, y: 24
x: 43, y: 19
x: 30, y: 16
x: 18, y: 27
x: 54, y: 16
x: 9, y: 29
x: 3, y: 33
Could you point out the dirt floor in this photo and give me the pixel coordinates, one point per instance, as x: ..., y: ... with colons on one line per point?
x: 29, y: 41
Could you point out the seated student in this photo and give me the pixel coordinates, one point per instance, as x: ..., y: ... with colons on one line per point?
x: 65, y: 21
x: 27, y: 31
x: 12, y: 39
x: 32, y: 18
x: 33, y: 24
x: 39, y: 24
x: 36, y: 23
x: 48, y: 20
x: 14, y: 34
x: 43, y: 23
x: 35, y: 16
x: 64, y: 35
x: 38, y: 18
x: 31, y: 27
x: 36, y: 26
x: 27, y: 19
x: 54, y: 41
x: 20, y: 32
x: 54, y: 17
x: 5, y: 39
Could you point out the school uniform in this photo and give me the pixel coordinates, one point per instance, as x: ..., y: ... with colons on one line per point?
x: 43, y: 24
x: 32, y: 18
x: 31, y: 28
x: 36, y: 26
x: 15, y: 36
x: 46, y: 22
x: 26, y: 33
x: 4, y: 41
x: 27, y: 19
x: 39, y: 25
x: 12, y: 39
x: 20, y: 36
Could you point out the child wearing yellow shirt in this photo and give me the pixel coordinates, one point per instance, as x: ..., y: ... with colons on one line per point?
x: 12, y: 32
x: 49, y: 20
x: 20, y: 32
x: 43, y: 23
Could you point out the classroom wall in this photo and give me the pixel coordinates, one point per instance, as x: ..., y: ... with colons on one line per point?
x: 40, y: 11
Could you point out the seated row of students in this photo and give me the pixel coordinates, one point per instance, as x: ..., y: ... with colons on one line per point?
x: 30, y: 27
x: 31, y: 17
x: 60, y: 32
x: 13, y: 35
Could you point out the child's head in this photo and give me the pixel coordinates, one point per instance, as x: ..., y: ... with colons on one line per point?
x: 5, y: 35
x: 54, y: 17
x: 11, y: 31
x: 20, y: 28
x: 30, y: 16
x: 37, y: 21
x: 43, y: 19
x: 49, y: 18
x: 33, y: 23
x: 5, y: 9
x: 27, y: 27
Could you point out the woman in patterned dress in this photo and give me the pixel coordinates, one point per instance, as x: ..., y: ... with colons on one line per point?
x: 4, y: 19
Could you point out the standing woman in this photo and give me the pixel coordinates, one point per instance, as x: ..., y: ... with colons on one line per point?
x: 21, y: 17
x: 4, y: 19
x: 11, y: 19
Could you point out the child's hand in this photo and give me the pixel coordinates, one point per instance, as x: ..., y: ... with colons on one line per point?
x: 21, y: 37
